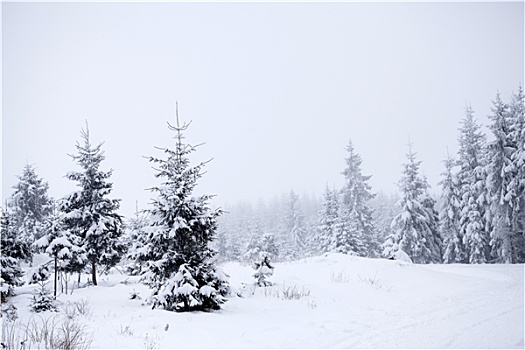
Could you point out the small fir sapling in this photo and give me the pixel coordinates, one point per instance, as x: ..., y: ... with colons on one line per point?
x: 43, y: 299
x: 263, y: 270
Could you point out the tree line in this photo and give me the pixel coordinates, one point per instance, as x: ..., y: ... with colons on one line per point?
x: 478, y: 218
x: 175, y: 244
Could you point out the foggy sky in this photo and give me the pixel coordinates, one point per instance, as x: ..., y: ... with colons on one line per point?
x: 274, y: 90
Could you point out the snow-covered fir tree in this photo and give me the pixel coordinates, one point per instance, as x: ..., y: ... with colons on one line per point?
x: 221, y: 246
x: 328, y: 218
x: 299, y: 232
x: 42, y: 299
x: 474, y: 220
x: 180, y: 270
x: 135, y: 238
x: 269, y: 247
x: 449, y: 215
x: 433, y: 236
x: 263, y: 270
x: 89, y: 213
x: 294, y: 237
x: 13, y: 251
x: 254, y: 246
x: 499, y: 176
x: 384, y: 211
x: 30, y: 204
x: 63, y: 247
x: 516, y: 186
x: 414, y: 229
x: 355, y: 233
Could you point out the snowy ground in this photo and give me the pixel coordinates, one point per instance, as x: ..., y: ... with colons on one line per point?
x: 344, y: 302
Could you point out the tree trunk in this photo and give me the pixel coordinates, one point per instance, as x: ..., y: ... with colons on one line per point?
x: 56, y: 276
x: 94, y: 273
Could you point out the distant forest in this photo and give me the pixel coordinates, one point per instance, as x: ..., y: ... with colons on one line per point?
x: 478, y: 218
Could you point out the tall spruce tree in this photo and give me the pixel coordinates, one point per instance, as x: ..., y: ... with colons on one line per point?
x: 384, y: 211
x: 328, y: 218
x: 89, y: 213
x: 30, y: 205
x: 179, y: 268
x: 355, y: 231
x: 474, y: 220
x: 449, y: 215
x: 499, y: 176
x: 414, y: 229
x: 298, y: 231
x: 516, y: 187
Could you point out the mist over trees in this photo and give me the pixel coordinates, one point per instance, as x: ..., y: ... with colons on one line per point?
x: 477, y: 218
x: 176, y: 243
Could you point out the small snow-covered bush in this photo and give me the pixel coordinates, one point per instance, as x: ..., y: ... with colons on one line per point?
x: 43, y: 300
x: 263, y: 270
x: 134, y: 295
x: 199, y: 288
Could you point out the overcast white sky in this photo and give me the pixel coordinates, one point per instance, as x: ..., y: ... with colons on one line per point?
x: 275, y: 90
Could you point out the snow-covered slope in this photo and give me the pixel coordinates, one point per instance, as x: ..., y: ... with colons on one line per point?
x: 343, y: 302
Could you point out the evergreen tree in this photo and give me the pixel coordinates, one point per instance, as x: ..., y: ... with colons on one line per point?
x: 30, y: 204
x: 42, y: 299
x: 135, y: 240
x: 516, y: 187
x: 328, y: 218
x: 499, y: 175
x: 13, y: 250
x: 414, y: 230
x: 449, y: 216
x: 89, y: 214
x: 299, y: 232
x: 384, y: 211
x: 295, y: 234
x: 180, y: 269
x: 432, y: 237
x: 269, y: 247
x: 254, y: 246
x: 233, y: 249
x: 221, y: 246
x: 474, y: 220
x: 263, y: 270
x: 62, y: 246
x: 355, y: 230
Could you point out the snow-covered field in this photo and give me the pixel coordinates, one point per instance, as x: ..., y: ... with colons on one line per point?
x: 343, y: 302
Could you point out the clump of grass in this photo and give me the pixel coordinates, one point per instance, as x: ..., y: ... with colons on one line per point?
x: 46, y: 333
x: 375, y: 282
x: 287, y: 293
x: 80, y: 307
x: 340, y: 277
